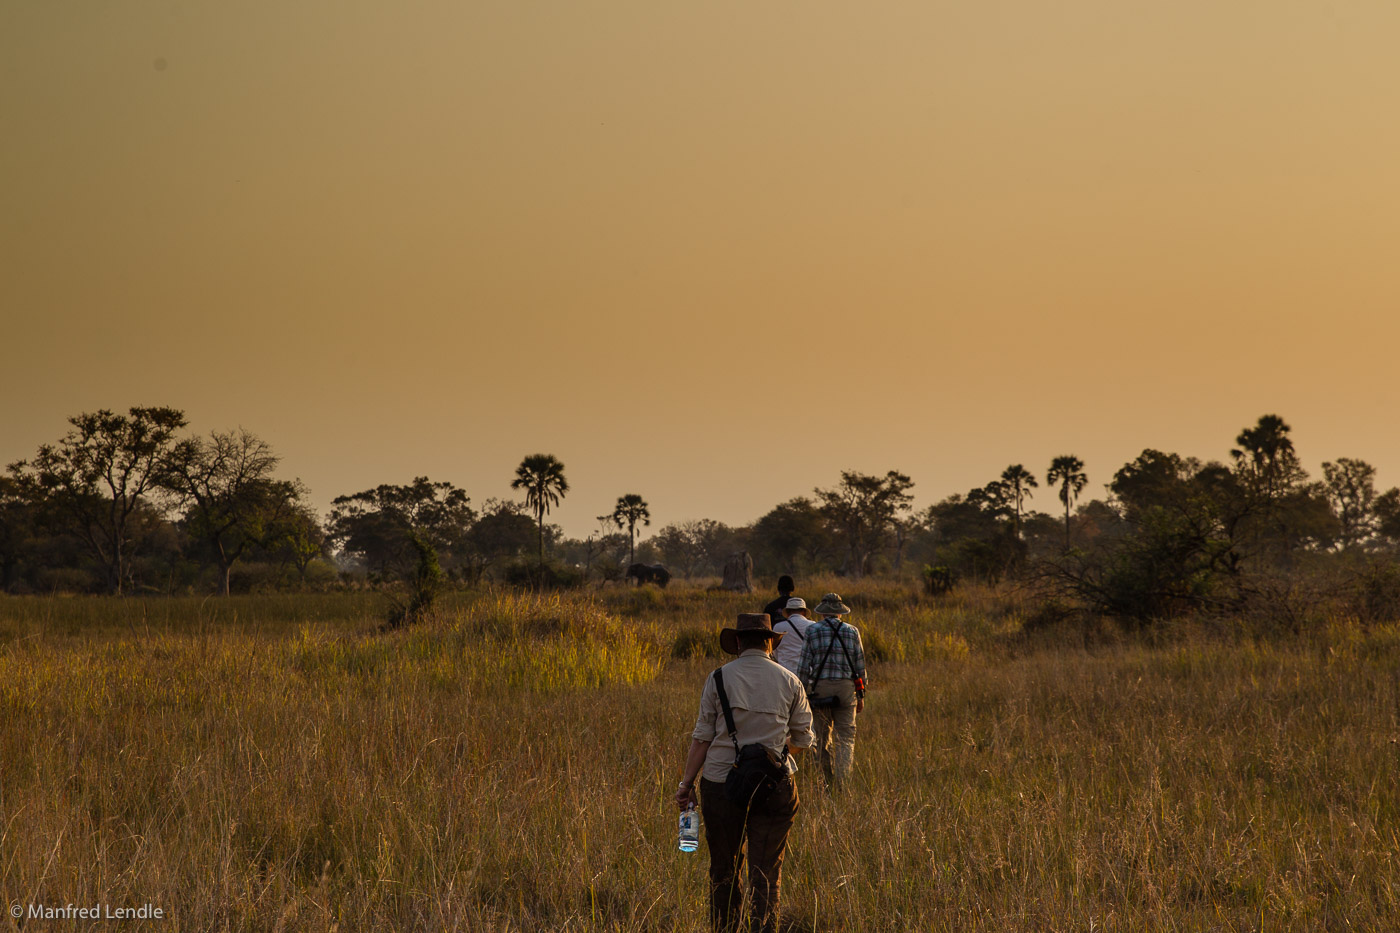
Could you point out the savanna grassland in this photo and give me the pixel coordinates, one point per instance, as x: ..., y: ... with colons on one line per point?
x: 273, y: 763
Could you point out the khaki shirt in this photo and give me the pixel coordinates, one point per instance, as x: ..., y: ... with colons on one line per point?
x: 770, y: 708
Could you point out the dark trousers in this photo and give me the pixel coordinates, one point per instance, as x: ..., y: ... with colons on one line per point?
x: 765, y: 828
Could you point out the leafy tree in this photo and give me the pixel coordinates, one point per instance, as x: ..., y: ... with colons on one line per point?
x: 1153, y: 479
x: 424, y: 584
x: 502, y: 533
x: 1068, y: 472
x: 1097, y: 519
x: 682, y: 545
x: 102, y: 477
x: 902, y: 528
x: 995, y: 499
x: 629, y: 510
x: 791, y: 531
x: 542, y: 478
x: 297, y: 537
x: 1172, y: 545
x: 1387, y: 511
x: 861, y: 507
x: 1302, y: 519
x: 1351, y: 488
x: 960, y: 516
x: 1171, y: 562
x: 19, y: 517
x: 379, y: 524
x: 1018, y: 482
x: 970, y: 535
x: 232, y: 502
x: 1283, y: 511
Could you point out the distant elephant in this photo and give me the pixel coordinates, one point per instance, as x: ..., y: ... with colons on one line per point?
x: 649, y: 573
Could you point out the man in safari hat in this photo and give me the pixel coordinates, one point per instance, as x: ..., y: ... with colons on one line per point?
x: 769, y: 708
x: 833, y: 668
x: 794, y: 629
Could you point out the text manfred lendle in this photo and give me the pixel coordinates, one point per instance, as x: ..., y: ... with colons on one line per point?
x: 96, y: 912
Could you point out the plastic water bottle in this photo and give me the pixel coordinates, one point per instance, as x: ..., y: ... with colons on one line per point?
x: 690, y: 829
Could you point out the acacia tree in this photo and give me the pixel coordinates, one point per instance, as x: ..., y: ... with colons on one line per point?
x: 862, y: 507
x: 1068, y: 472
x: 542, y: 478
x: 233, y: 503
x: 629, y: 510
x: 1018, y: 483
x: 102, y: 477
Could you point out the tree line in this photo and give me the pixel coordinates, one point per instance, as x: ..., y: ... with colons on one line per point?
x: 126, y: 502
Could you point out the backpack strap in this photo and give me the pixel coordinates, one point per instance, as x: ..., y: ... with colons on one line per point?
x: 860, y: 690
x: 795, y: 630
x: 821, y: 668
x: 728, y: 712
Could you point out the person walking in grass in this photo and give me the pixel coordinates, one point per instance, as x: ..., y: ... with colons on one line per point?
x: 777, y: 608
x: 833, y: 668
x: 754, y: 704
x: 789, y: 651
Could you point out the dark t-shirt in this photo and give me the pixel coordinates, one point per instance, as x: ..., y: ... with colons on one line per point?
x: 777, y: 608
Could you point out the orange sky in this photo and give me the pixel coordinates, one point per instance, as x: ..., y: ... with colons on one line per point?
x: 712, y: 253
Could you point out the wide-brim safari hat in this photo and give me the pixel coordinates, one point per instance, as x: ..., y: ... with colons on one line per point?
x: 748, y: 622
x: 831, y: 605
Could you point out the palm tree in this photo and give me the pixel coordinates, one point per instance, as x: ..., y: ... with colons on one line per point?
x: 1019, y: 482
x: 1068, y: 472
x: 542, y: 478
x: 631, y: 509
x: 1266, y: 456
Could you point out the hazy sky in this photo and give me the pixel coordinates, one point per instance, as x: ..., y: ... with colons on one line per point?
x: 712, y: 253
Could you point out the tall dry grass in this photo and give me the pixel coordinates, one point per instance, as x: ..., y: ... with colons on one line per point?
x: 509, y: 767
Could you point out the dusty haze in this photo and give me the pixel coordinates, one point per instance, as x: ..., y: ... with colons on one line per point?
x: 709, y: 253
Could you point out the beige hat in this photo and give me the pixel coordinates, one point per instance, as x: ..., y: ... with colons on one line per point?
x: 831, y: 605
x: 797, y: 602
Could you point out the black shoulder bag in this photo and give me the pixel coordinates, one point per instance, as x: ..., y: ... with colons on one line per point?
x: 755, y: 774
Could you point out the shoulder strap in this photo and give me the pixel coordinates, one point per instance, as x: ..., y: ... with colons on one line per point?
x: 795, y: 630
x: 821, y: 668
x: 841, y: 638
x: 728, y: 712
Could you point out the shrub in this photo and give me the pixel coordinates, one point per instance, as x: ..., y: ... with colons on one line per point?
x: 879, y: 647
x: 640, y: 601
x: 548, y: 577
x: 945, y: 647
x: 1375, y: 592
x: 1169, y: 565
x: 938, y: 581
x: 424, y: 586
x: 693, y: 643
x: 1049, y: 614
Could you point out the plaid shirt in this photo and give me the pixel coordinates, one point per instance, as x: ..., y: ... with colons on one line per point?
x: 821, y: 634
